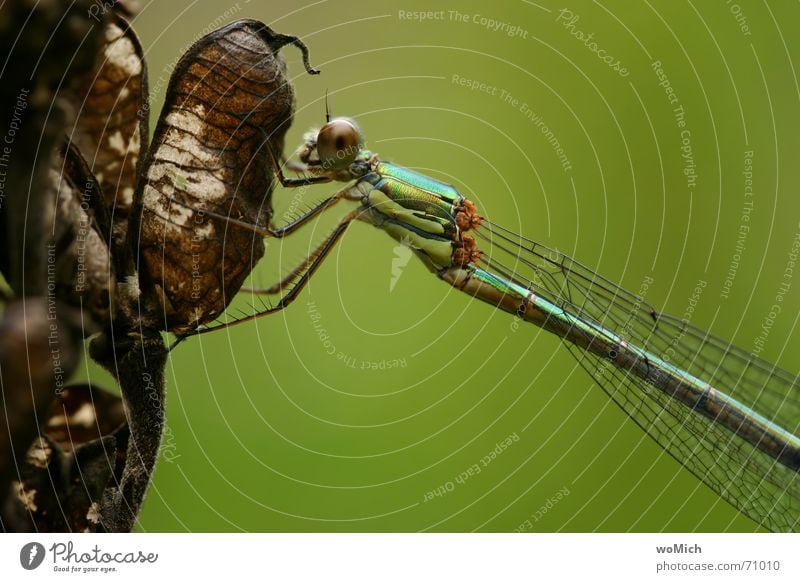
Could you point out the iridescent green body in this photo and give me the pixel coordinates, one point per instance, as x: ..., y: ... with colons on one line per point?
x: 728, y: 416
x: 698, y: 395
x: 416, y: 210
x: 420, y: 211
x: 422, y: 192
x: 748, y: 459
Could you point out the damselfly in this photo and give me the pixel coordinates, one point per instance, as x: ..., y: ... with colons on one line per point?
x: 729, y: 417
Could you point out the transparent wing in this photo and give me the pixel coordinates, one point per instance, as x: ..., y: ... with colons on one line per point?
x: 752, y: 481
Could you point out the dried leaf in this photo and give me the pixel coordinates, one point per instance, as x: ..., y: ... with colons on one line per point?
x: 82, y: 414
x: 111, y: 129
x: 82, y: 273
x: 70, y: 465
x: 228, y: 96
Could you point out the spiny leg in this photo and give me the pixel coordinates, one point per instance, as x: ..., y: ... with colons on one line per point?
x: 299, y: 182
x: 294, y: 182
x: 282, y: 231
x: 280, y: 285
x: 288, y: 228
x: 286, y: 280
x: 307, y: 267
x: 293, y: 225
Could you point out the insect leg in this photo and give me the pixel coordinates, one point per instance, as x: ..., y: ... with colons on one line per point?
x: 308, y: 267
x: 294, y: 182
x: 288, y: 228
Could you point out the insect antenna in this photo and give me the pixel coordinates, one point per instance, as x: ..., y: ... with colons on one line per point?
x: 327, y: 109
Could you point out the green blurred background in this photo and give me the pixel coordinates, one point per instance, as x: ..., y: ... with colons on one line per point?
x: 377, y: 386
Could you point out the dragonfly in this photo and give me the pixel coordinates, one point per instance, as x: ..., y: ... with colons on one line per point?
x: 729, y: 417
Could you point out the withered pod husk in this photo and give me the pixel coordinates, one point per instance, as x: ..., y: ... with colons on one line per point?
x: 111, y: 123
x: 228, y: 100
x: 79, y: 453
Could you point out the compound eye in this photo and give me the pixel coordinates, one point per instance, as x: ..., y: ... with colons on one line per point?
x: 338, y: 143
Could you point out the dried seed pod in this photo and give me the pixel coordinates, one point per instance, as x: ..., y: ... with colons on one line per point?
x: 111, y: 127
x: 40, y: 344
x: 228, y: 101
x: 70, y: 465
x: 46, y: 45
x: 81, y: 414
x: 80, y: 268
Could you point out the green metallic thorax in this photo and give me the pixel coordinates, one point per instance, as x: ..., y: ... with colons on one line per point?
x: 441, y: 192
x: 429, y: 198
x: 414, y: 209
